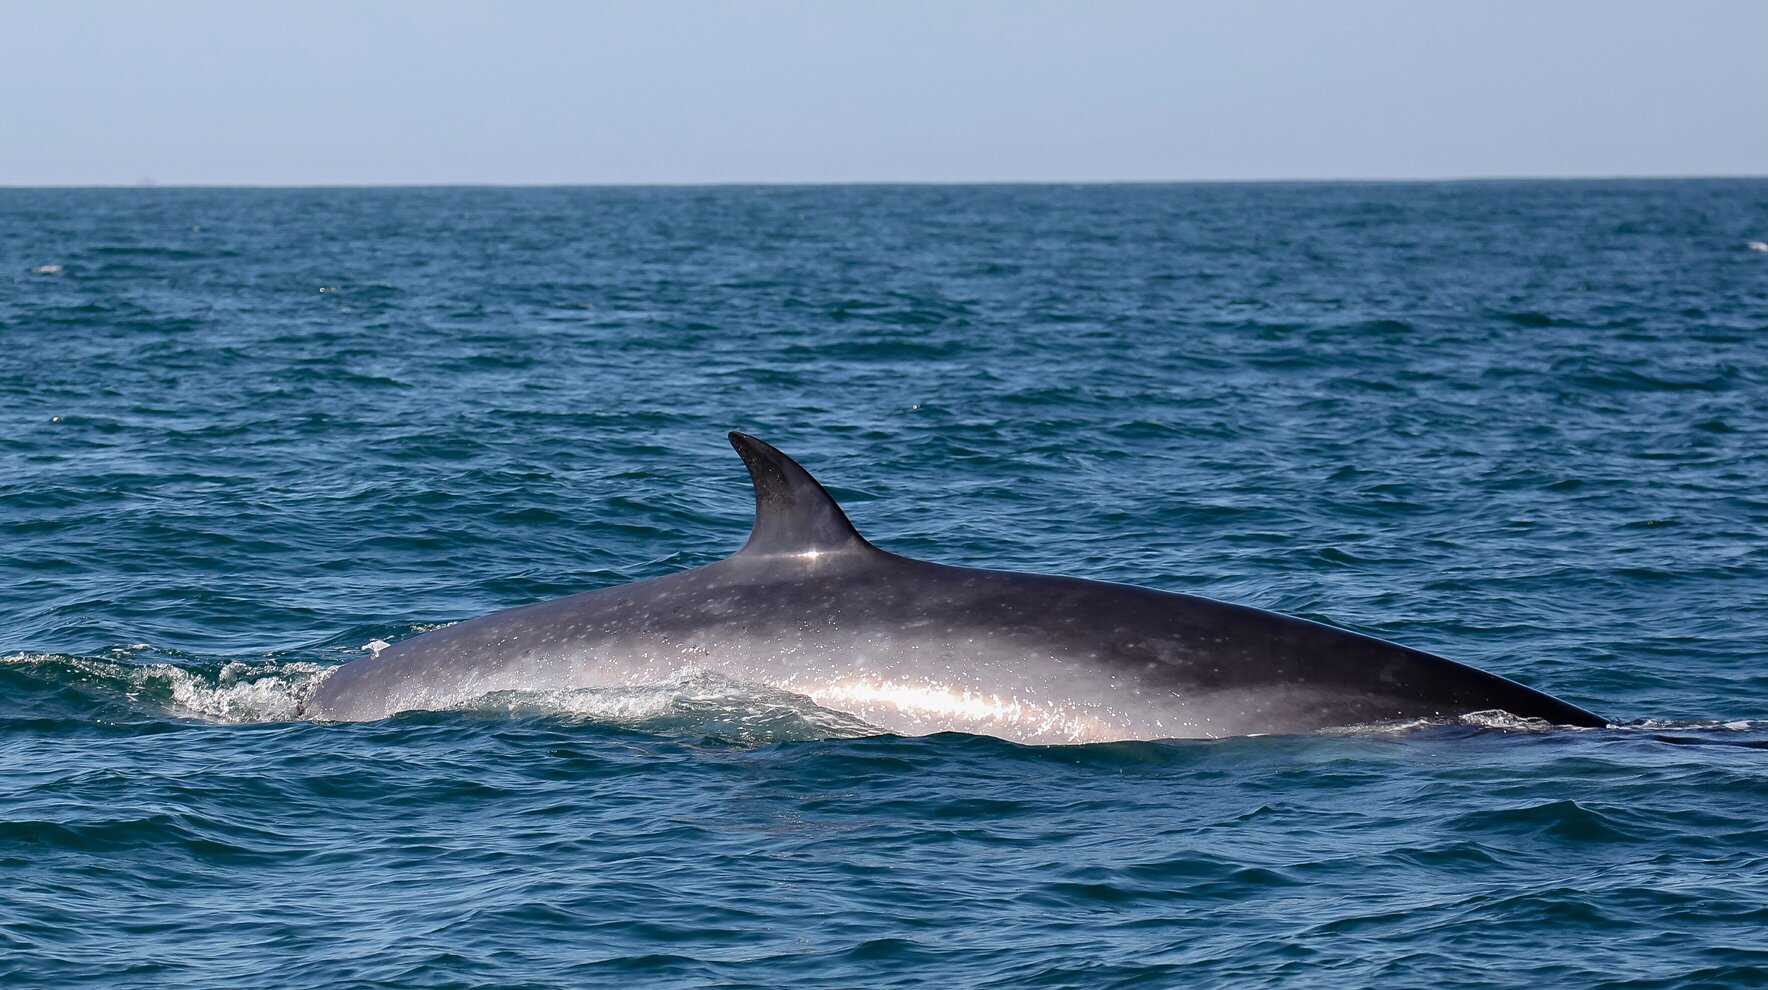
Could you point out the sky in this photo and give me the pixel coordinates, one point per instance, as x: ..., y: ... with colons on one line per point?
x: 372, y: 92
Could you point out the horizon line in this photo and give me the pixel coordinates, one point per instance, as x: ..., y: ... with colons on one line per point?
x: 855, y: 183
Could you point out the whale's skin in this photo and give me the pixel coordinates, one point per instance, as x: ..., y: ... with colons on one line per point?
x: 916, y: 647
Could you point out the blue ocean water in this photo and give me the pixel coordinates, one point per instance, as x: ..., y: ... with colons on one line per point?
x: 244, y: 432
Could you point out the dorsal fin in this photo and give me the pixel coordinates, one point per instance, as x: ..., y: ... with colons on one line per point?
x: 793, y: 514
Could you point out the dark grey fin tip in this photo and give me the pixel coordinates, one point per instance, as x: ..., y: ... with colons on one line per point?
x: 794, y: 515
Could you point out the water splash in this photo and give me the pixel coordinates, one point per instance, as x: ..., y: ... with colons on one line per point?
x: 232, y: 692
x: 691, y: 703
x: 239, y: 692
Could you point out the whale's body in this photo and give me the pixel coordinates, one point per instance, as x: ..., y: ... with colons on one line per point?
x: 809, y: 606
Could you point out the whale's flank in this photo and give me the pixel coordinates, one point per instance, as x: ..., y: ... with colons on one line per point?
x: 911, y: 646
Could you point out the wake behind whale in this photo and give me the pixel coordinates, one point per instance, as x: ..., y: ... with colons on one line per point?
x: 808, y: 606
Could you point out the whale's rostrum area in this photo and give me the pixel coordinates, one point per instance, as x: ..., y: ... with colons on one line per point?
x: 808, y: 606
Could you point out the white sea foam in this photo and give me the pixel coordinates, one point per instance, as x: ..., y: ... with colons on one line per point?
x: 235, y: 692
x: 1696, y: 725
x: 1492, y: 719
x: 240, y: 693
x: 1499, y: 719
x: 693, y: 702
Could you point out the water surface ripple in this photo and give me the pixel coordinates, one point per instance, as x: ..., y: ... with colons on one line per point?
x: 243, y: 432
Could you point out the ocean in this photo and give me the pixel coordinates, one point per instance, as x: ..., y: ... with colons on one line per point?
x: 244, y: 432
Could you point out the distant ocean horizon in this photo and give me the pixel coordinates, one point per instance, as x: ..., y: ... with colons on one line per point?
x: 150, y: 183
x: 245, y: 430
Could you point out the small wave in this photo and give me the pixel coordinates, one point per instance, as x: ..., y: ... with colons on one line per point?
x: 1562, y: 819
x: 694, y: 703
x: 239, y: 692
x: 229, y: 691
x: 1494, y: 719
x: 1710, y: 725
x: 1502, y: 721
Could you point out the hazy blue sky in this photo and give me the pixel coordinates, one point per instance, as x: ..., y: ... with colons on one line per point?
x: 310, y: 92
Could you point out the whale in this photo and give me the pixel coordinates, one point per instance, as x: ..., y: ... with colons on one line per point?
x: 914, y: 647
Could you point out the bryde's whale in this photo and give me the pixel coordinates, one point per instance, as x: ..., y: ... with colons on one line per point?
x: 809, y: 606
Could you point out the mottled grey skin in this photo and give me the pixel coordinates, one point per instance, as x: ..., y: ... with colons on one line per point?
x: 809, y: 606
